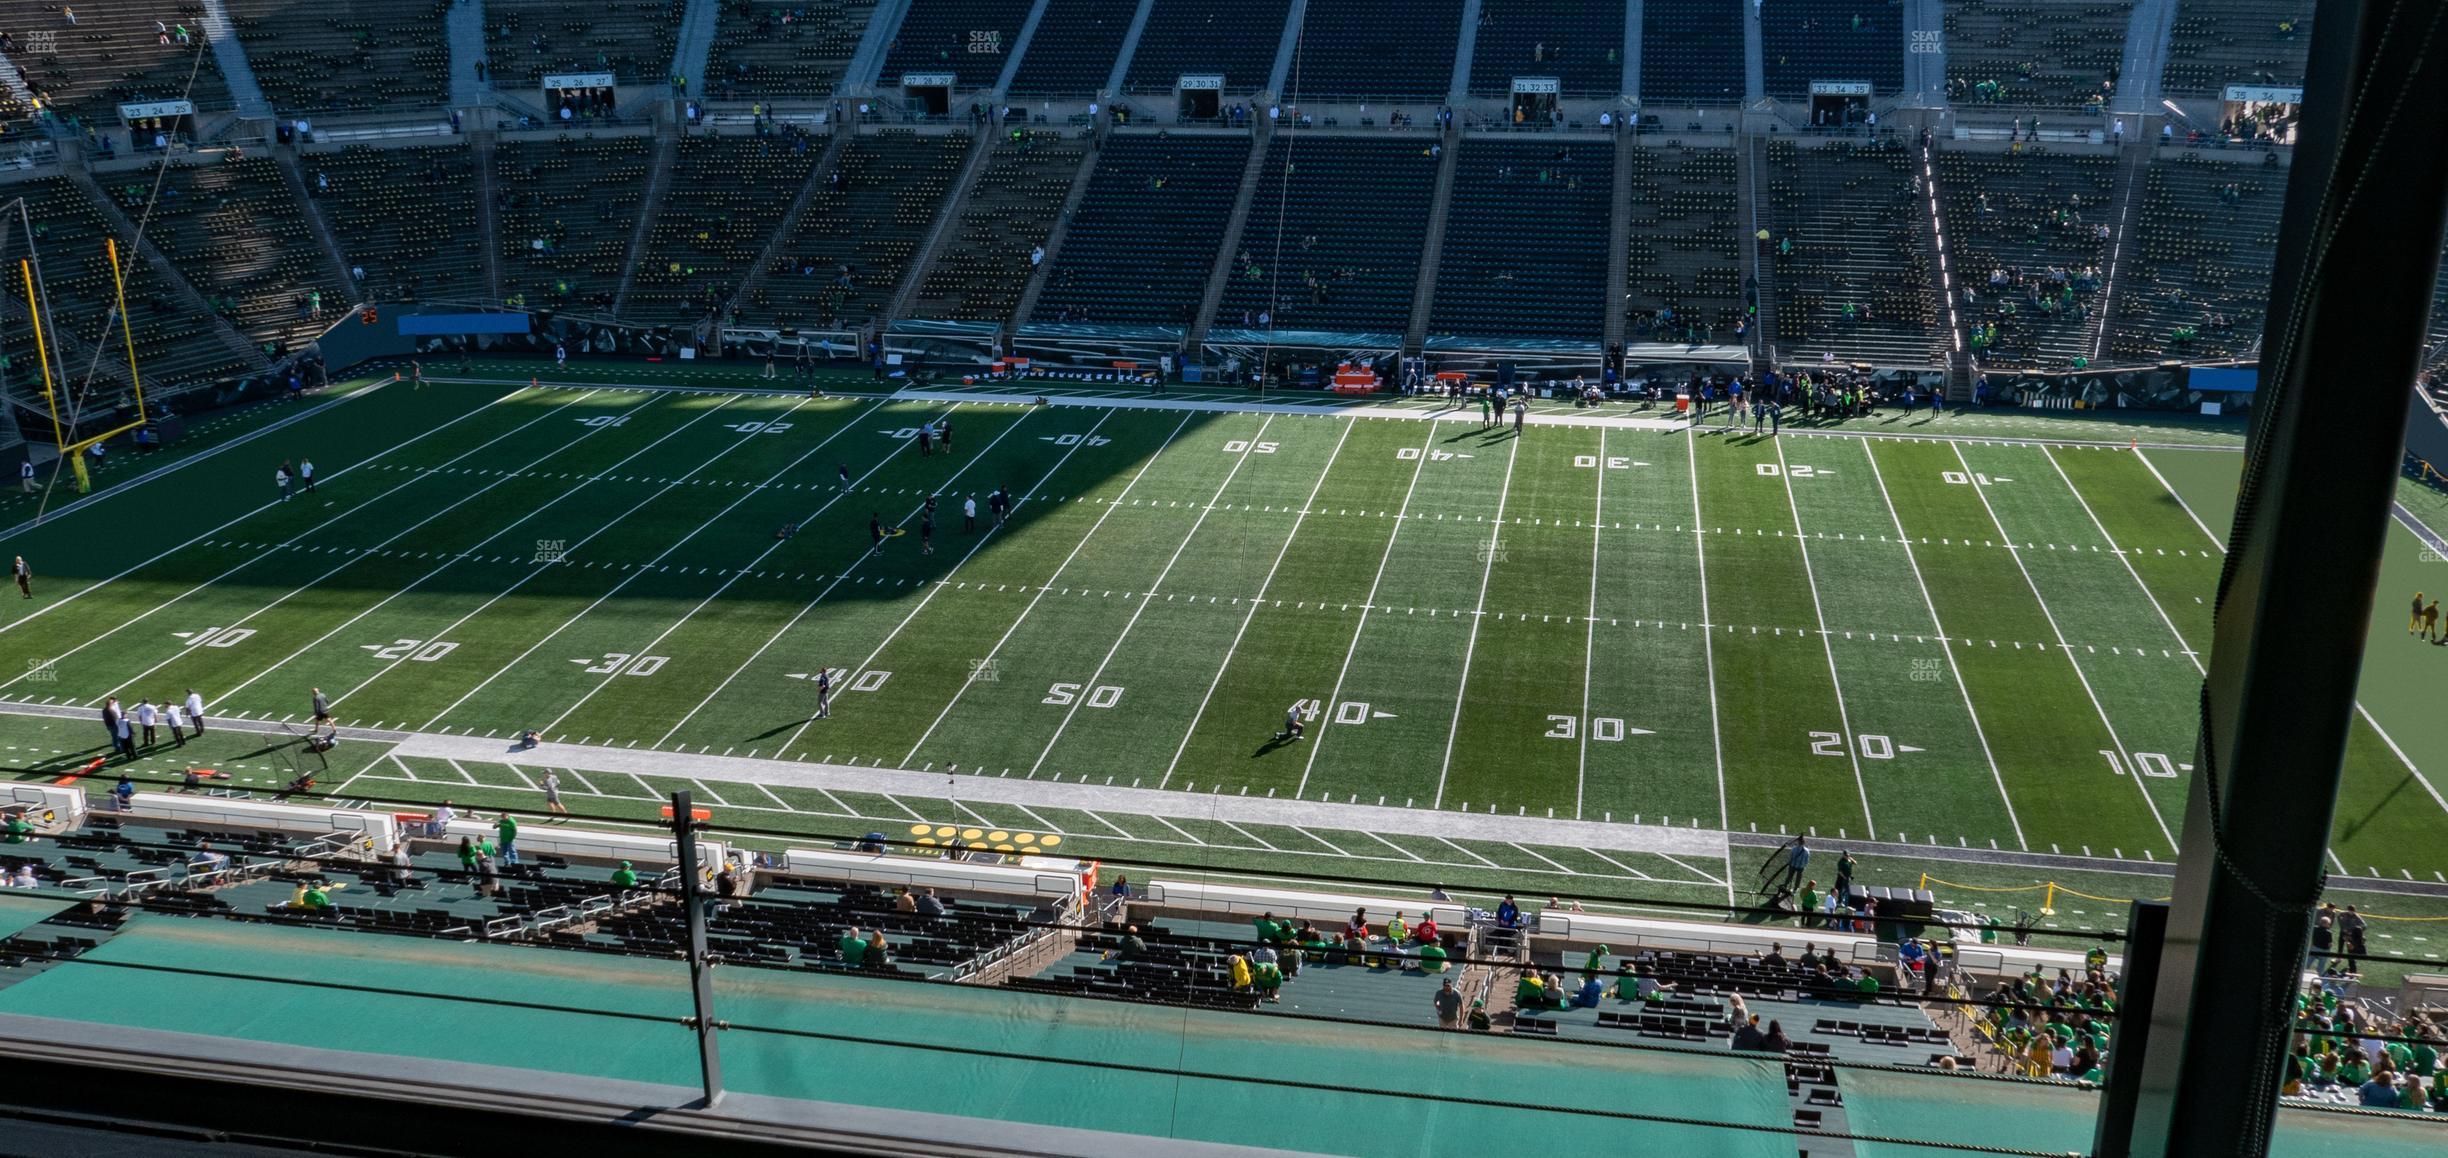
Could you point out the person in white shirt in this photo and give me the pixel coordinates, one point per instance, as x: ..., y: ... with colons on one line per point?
x: 177, y: 719
x: 306, y: 475
x: 148, y: 718
x: 195, y: 711
x: 280, y: 480
x: 25, y: 877
x: 25, y: 476
x: 439, y: 823
x: 969, y: 515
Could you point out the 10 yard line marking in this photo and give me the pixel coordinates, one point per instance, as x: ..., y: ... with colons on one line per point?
x: 1326, y: 712
x: 51, y: 605
x: 1252, y: 613
x: 1044, y: 587
x: 1589, y: 638
x: 1939, y: 626
x: 1810, y: 578
x: 1141, y: 609
x: 1708, y: 639
x: 1487, y: 571
x: 2068, y: 652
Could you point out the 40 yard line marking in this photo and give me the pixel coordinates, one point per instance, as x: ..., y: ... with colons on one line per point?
x: 1263, y: 586
x: 1487, y: 571
x: 1939, y: 626
x: 1150, y: 595
x: 1326, y: 715
x: 2066, y: 651
x: 1810, y: 578
x: 1046, y: 586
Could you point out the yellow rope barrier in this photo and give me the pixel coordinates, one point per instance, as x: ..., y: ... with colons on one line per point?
x: 2051, y: 890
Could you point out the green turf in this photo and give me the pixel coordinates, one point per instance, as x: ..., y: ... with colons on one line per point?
x: 1955, y: 643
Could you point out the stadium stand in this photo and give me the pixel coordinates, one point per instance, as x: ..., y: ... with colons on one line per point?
x: 1806, y: 40
x: 1143, y: 242
x: 233, y: 228
x: 1705, y: 64
x: 982, y: 267
x: 2032, y: 233
x: 865, y: 218
x: 111, y: 55
x: 1526, y: 240
x: 1185, y: 37
x: 1334, y: 234
x: 1579, y: 44
x: 2062, y: 55
x: 1851, y: 271
x: 318, y: 56
x: 727, y: 194
x: 1683, y: 274
x: 1072, y: 53
x: 2216, y: 43
x: 971, y: 39
x: 1375, y: 49
x: 790, y: 49
x: 2197, y: 282
x: 631, y: 39
x: 567, y: 209
x: 406, y: 217
x: 174, y: 344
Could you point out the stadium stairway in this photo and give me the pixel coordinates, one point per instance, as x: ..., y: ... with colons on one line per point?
x: 481, y: 147
x: 325, y: 240
x: 1062, y: 229
x: 696, y: 44
x: 231, y: 56
x: 1619, y: 235
x: 1234, y: 227
x: 826, y: 162
x: 658, y: 179
x: 1285, y: 49
x: 1754, y: 271
x: 1465, y: 45
x: 1432, y: 251
x: 981, y: 150
x: 464, y: 27
x: 2133, y: 164
x: 222, y: 331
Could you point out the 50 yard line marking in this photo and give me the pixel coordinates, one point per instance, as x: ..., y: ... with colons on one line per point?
x: 1939, y: 626
x: 1252, y: 613
x: 1486, y: 572
x: 1045, y: 587
x: 1141, y: 609
x: 1810, y: 578
x: 1326, y: 713
x: 2063, y: 649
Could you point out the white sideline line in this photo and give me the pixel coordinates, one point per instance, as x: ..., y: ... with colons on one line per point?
x: 1487, y: 572
x: 445, y: 564
x: 1043, y: 588
x: 1149, y: 596
x: 1326, y: 706
x: 1708, y: 639
x: 736, y: 574
x: 2068, y: 652
x: 207, y: 584
x: 1263, y: 586
x: 1938, y: 625
x: 974, y: 547
x: 522, y: 580
x: 1810, y: 577
x: 1589, y: 636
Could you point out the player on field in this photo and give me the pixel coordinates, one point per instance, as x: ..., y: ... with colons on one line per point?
x: 1292, y: 723
x: 24, y: 576
x: 280, y: 480
x: 943, y: 433
x: 322, y: 710
x: 824, y: 693
x: 875, y: 533
x: 926, y: 530
x: 2413, y: 625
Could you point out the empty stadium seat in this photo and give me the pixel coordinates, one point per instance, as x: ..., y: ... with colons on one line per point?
x: 112, y: 55
x: 2216, y: 43
x: 1691, y: 52
x: 1683, y: 274
x: 1375, y: 49
x: 725, y: 197
x: 1186, y: 37
x: 1525, y: 240
x: 313, y: 56
x: 2027, y: 228
x: 2196, y: 283
x: 1834, y: 40
x: 1334, y: 234
x: 239, y: 235
x: 1577, y: 43
x: 1072, y: 53
x: 406, y: 216
x: 1144, y: 240
x: 795, y: 49
x: 842, y: 262
x: 2004, y: 52
x: 1856, y: 283
x: 970, y: 39
x: 982, y: 266
x: 566, y: 211
x: 631, y: 39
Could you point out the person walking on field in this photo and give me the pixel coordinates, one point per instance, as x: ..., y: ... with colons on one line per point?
x: 306, y: 475
x: 969, y: 515
x: 280, y: 480
x: 177, y: 719
x: 25, y: 476
x: 2414, y: 624
x: 195, y: 710
x: 24, y: 576
x: 148, y: 718
x: 824, y: 693
x: 552, y: 794
x: 1521, y: 411
x: 943, y: 433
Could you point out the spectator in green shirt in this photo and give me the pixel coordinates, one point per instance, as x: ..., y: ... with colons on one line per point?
x: 1432, y: 958
x: 853, y: 948
x: 1807, y: 904
x: 507, y: 826
x: 624, y: 877
x: 17, y: 832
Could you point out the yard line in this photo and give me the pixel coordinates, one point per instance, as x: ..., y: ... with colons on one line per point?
x: 1678, y: 863
x: 1175, y: 827
x: 1939, y: 626
x: 524, y: 778
x: 1262, y: 843
x: 1252, y: 613
x: 1636, y: 873
x: 1396, y: 847
x: 974, y: 814
x: 736, y: 573
x: 1118, y: 829
x: 411, y: 481
x: 712, y: 795
x: 1326, y: 706
x: 50, y: 605
x: 1844, y: 717
x: 932, y: 588
x: 1149, y: 596
x: 472, y: 782
x: 1559, y: 865
x: 1042, y: 588
x: 438, y: 568
x: 522, y: 580
x: 895, y: 801
x: 778, y: 801
x: 1466, y: 852
x: 1708, y: 639
x: 1589, y: 636
x: 2123, y: 558
x: 1487, y: 571
x: 1034, y: 818
x: 2215, y: 541
x: 2124, y: 753
x: 589, y: 786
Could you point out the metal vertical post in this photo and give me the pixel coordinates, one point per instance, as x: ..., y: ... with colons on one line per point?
x: 696, y: 903
x: 2145, y: 933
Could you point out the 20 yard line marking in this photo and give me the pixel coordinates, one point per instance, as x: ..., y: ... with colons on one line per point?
x: 1263, y: 586
x: 1326, y: 713
x: 1141, y: 607
x: 1939, y: 626
x: 1042, y: 589
x: 2067, y: 651
x: 1844, y: 716
x: 1708, y: 639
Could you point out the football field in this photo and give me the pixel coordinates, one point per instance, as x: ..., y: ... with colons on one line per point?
x: 1970, y: 643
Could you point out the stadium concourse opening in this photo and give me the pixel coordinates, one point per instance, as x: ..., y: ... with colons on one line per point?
x: 1639, y: 576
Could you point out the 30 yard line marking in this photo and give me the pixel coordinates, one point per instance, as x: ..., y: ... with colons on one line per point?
x: 1810, y: 578
x: 51, y: 605
x: 1589, y: 636
x: 1264, y: 585
x: 1939, y: 626
x: 2066, y: 651
x: 1487, y: 571
x: 1141, y: 607
x: 1708, y: 639
x: 1326, y: 714
x: 1043, y: 588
